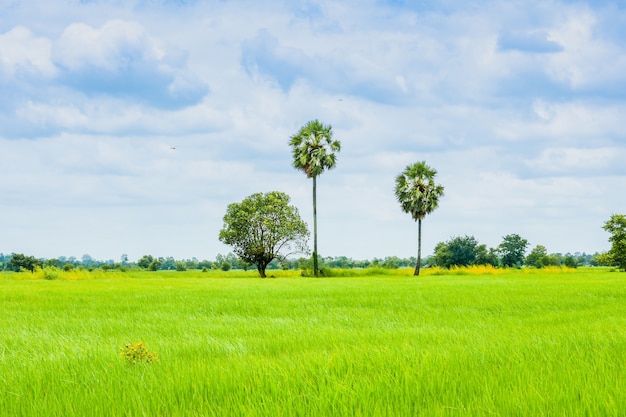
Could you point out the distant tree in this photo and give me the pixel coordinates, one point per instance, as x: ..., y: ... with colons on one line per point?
x: 20, y: 262
x: 145, y: 261
x: 205, y: 264
x: 602, y: 259
x: 570, y: 261
x: 462, y: 251
x: 419, y: 195
x: 486, y: 256
x: 512, y: 250
x: 155, y: 265
x: 168, y: 264
x: 458, y: 251
x: 88, y: 262
x: 181, y: 266
x: 538, y: 257
x: 264, y: 227
x: 391, y: 262
x: 313, y: 151
x: 616, y: 226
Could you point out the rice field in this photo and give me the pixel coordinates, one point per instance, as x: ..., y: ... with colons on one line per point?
x: 466, y: 342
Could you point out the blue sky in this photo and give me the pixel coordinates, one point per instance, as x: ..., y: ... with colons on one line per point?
x: 519, y: 105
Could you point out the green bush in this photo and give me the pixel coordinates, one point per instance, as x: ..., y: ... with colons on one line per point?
x: 50, y: 273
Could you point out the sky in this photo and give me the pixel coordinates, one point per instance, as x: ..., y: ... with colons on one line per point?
x: 519, y: 105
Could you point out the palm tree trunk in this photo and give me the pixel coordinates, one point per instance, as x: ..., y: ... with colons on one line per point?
x: 419, y: 247
x: 315, y: 267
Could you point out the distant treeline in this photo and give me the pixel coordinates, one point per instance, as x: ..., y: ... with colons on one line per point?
x: 17, y: 262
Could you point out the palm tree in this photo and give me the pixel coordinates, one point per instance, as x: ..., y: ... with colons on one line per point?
x: 418, y: 195
x: 313, y: 150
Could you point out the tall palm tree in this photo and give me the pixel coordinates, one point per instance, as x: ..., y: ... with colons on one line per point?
x: 313, y: 150
x: 418, y: 195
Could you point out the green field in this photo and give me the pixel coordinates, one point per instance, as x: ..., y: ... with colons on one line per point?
x: 518, y: 343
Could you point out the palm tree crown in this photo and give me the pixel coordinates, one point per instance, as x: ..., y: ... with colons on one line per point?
x: 313, y: 148
x: 416, y: 190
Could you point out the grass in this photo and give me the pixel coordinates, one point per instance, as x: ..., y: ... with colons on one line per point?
x: 465, y: 343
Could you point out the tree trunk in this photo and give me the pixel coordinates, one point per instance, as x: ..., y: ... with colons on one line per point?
x: 419, y: 247
x: 261, y: 269
x: 315, y: 266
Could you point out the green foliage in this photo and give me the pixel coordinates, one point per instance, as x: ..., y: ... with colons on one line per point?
x: 416, y: 190
x: 181, y: 266
x: 50, y: 273
x: 537, y: 257
x: 21, y: 262
x: 68, y: 267
x: 458, y: 251
x: 225, y: 266
x: 313, y: 148
x: 264, y: 227
x: 570, y: 262
x: 463, y: 251
x: 391, y: 262
x: 155, y: 264
x: 134, y: 353
x: 616, y: 226
x: 145, y: 261
x: 512, y: 250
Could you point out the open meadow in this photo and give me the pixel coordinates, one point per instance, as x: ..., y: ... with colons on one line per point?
x: 459, y: 343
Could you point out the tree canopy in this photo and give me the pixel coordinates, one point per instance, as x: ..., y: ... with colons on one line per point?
x: 20, y: 262
x: 616, y: 226
x: 264, y: 227
x: 418, y: 195
x: 512, y: 250
x: 463, y: 251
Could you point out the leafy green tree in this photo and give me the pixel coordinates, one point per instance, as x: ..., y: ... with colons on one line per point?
x: 20, y: 262
x: 313, y: 151
x: 512, y: 250
x: 538, y: 257
x: 155, y: 265
x: 463, y: 251
x: 486, y: 256
x: 570, y: 261
x: 419, y: 195
x: 616, y: 226
x: 458, y: 251
x: 264, y: 227
x: 145, y: 261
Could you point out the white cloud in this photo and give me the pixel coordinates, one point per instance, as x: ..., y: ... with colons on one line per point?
x: 24, y: 54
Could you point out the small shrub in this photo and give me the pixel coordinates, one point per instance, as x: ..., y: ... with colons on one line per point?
x: 204, y: 269
x: 137, y: 352
x: 50, y: 273
x: 68, y: 267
